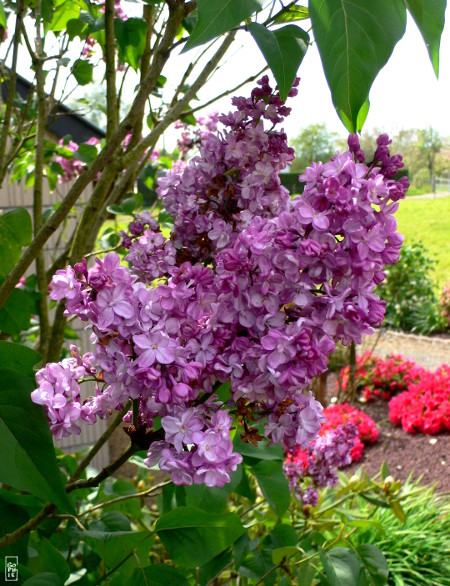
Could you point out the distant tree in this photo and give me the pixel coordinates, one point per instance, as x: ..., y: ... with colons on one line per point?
x: 314, y: 143
x: 429, y: 145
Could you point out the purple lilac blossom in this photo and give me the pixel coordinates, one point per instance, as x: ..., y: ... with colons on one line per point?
x: 251, y: 289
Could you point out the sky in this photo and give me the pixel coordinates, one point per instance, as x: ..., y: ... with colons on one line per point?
x: 406, y: 93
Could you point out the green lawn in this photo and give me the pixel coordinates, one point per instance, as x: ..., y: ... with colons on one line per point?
x: 428, y: 221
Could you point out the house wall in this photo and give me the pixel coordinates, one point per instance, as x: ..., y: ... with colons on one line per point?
x: 15, y: 195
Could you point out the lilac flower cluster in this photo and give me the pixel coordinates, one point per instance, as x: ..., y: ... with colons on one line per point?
x: 320, y: 463
x: 252, y: 289
x: 71, y: 167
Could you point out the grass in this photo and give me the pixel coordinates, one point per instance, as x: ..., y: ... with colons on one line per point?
x: 428, y: 221
x: 418, y: 551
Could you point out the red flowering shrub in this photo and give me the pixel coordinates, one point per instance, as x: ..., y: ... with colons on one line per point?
x: 425, y: 406
x: 381, y: 377
x: 343, y: 415
x: 346, y: 416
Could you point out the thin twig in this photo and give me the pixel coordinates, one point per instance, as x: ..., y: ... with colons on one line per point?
x: 99, y: 444
x: 126, y: 497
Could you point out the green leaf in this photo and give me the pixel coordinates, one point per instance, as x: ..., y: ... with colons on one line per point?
x: 283, y: 50
x: 18, y: 357
x: 341, y: 565
x: 51, y: 560
x: 260, y: 452
x: 130, y: 35
x: 398, y: 511
x: 385, y: 472
x: 16, y: 225
x: 83, y: 72
x: 273, y: 484
x: 28, y: 458
x: 291, y: 14
x: 47, y: 10
x: 211, y: 569
x: 15, y: 315
x: 355, y: 40
x: 374, y: 563
x: 44, y: 579
x: 216, y: 17
x: 192, y: 537
x: 429, y: 15
x: 2, y: 15
x: 12, y: 517
x: 283, y: 553
x: 113, y: 547
x: 129, y: 205
x: 75, y: 28
x: 157, y: 575
x: 66, y: 11
x: 114, y: 209
x: 86, y: 153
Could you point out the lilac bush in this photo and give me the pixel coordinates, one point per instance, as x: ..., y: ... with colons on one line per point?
x: 253, y: 288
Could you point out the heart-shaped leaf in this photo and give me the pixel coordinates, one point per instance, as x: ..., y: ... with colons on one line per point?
x: 355, y: 40
x: 283, y: 50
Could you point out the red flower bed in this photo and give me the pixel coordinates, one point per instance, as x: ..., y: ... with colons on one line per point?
x: 425, y: 406
x: 342, y: 415
x: 377, y: 377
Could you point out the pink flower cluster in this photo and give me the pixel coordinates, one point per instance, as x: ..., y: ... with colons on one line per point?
x: 377, y: 377
x: 252, y: 289
x: 71, y: 166
x: 425, y: 406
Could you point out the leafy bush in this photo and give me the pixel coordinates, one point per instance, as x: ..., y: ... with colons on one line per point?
x: 418, y: 549
x: 408, y: 290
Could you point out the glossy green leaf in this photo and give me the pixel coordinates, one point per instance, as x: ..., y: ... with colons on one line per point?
x: 51, y: 560
x: 384, y: 471
x: 28, y: 458
x: 47, y: 10
x: 157, y: 575
x: 291, y: 14
x: 283, y: 50
x: 16, y: 314
x: 375, y: 566
x: 12, y: 517
x: 211, y: 569
x: 18, y: 357
x: 341, y: 566
x: 398, y: 511
x: 429, y: 15
x: 130, y: 35
x: 86, y: 153
x: 65, y: 11
x: 2, y: 15
x: 114, y: 546
x: 355, y: 40
x: 44, y: 579
x: 83, y: 71
x: 216, y: 17
x: 273, y: 484
x: 192, y: 537
x: 260, y: 452
x: 16, y: 225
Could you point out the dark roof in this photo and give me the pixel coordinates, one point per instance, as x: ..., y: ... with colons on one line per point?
x: 67, y: 122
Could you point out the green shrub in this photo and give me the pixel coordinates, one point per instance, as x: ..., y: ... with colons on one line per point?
x: 408, y: 290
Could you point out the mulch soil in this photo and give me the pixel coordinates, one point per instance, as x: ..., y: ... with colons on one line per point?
x: 422, y: 455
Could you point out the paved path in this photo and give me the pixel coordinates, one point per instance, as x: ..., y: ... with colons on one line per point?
x: 430, y: 352
x: 427, y: 196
